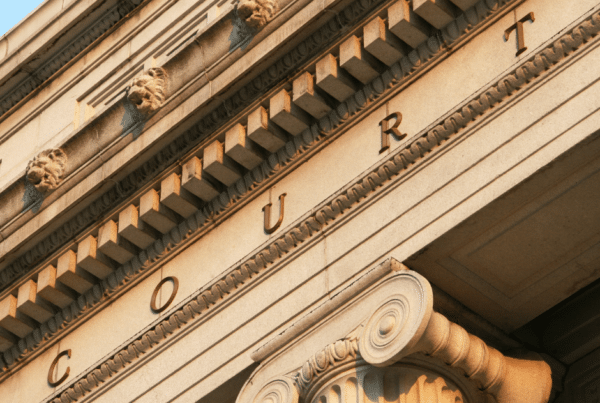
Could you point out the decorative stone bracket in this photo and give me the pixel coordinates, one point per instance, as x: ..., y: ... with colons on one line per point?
x: 147, y: 92
x: 407, y: 352
x: 257, y: 13
x: 45, y: 171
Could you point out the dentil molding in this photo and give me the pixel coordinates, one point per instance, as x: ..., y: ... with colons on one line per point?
x: 182, y: 145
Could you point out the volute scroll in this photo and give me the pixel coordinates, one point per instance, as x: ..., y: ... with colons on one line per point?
x: 508, y: 380
x: 399, y: 322
x: 280, y: 390
x: 388, y: 338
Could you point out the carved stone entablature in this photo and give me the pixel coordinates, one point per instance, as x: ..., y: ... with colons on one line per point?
x: 407, y: 352
x: 311, y: 139
x: 147, y: 92
x: 45, y: 171
x: 325, y: 127
x: 257, y: 13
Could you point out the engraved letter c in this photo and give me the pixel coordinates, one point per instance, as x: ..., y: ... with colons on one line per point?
x: 53, y: 366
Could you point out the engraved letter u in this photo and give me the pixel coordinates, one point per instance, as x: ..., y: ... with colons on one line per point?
x: 267, y: 212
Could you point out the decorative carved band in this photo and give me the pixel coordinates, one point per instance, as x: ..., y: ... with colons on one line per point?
x: 334, y: 355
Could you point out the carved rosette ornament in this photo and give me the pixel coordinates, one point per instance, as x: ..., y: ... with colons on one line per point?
x: 46, y: 170
x: 406, y: 352
x: 257, y: 13
x: 147, y: 92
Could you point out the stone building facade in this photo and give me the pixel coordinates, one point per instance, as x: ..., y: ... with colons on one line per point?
x: 301, y: 201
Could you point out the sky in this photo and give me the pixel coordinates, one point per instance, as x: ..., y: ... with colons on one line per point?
x: 14, y: 11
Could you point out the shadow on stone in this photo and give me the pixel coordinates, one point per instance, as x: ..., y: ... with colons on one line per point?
x: 32, y: 198
x: 241, y: 34
x: 133, y: 120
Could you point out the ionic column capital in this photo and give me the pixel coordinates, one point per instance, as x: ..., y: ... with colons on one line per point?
x: 403, y: 345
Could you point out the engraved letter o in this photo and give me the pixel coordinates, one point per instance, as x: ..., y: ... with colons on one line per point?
x: 153, y: 306
x: 53, y: 366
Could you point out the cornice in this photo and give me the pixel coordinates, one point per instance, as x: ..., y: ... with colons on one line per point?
x: 451, y: 36
x: 258, y: 264
x: 37, y: 76
x: 95, y: 140
x: 135, y: 180
x: 173, y: 151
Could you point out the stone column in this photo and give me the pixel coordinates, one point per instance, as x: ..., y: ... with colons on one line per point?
x: 407, y: 353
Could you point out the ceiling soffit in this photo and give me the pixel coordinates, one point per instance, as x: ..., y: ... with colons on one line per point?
x: 539, y: 233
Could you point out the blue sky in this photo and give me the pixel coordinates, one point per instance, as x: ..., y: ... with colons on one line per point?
x: 14, y: 11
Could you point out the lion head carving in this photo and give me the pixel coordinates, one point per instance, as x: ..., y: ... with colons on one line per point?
x: 147, y: 92
x: 257, y: 13
x: 45, y: 171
